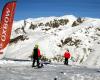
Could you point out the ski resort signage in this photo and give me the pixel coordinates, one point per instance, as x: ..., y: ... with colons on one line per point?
x: 6, y: 24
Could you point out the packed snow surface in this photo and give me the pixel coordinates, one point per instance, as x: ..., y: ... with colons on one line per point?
x: 14, y: 70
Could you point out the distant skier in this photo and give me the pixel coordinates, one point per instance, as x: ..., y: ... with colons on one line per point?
x: 36, y: 56
x: 66, y: 56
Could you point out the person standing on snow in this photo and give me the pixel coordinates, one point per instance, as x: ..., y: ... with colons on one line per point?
x: 36, y: 56
x: 66, y: 56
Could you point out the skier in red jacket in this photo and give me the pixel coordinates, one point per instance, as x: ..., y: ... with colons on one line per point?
x: 66, y: 56
x: 36, y: 56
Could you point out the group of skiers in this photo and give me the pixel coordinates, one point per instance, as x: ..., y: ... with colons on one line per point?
x: 36, y: 55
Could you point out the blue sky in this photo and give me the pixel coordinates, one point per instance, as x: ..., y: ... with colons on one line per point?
x: 41, y: 8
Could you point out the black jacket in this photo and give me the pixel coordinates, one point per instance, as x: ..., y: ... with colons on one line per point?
x: 35, y: 53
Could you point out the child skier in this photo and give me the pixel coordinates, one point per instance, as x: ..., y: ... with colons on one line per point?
x: 66, y: 56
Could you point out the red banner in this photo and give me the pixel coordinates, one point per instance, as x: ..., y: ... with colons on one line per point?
x: 6, y: 23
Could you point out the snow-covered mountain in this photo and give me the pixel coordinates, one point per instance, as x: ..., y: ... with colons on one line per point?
x: 54, y: 35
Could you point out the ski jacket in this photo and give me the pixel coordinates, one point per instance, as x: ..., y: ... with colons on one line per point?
x: 36, y: 53
x: 39, y: 54
x: 67, y: 55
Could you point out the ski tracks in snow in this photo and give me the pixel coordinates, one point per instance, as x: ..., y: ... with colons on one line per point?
x: 48, y: 72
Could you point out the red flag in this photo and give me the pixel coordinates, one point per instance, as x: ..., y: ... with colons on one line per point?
x: 6, y: 24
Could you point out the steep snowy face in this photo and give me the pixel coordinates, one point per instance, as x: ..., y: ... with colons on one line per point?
x: 54, y: 35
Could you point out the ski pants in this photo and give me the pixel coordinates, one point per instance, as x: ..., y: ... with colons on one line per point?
x: 34, y: 60
x: 66, y: 61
